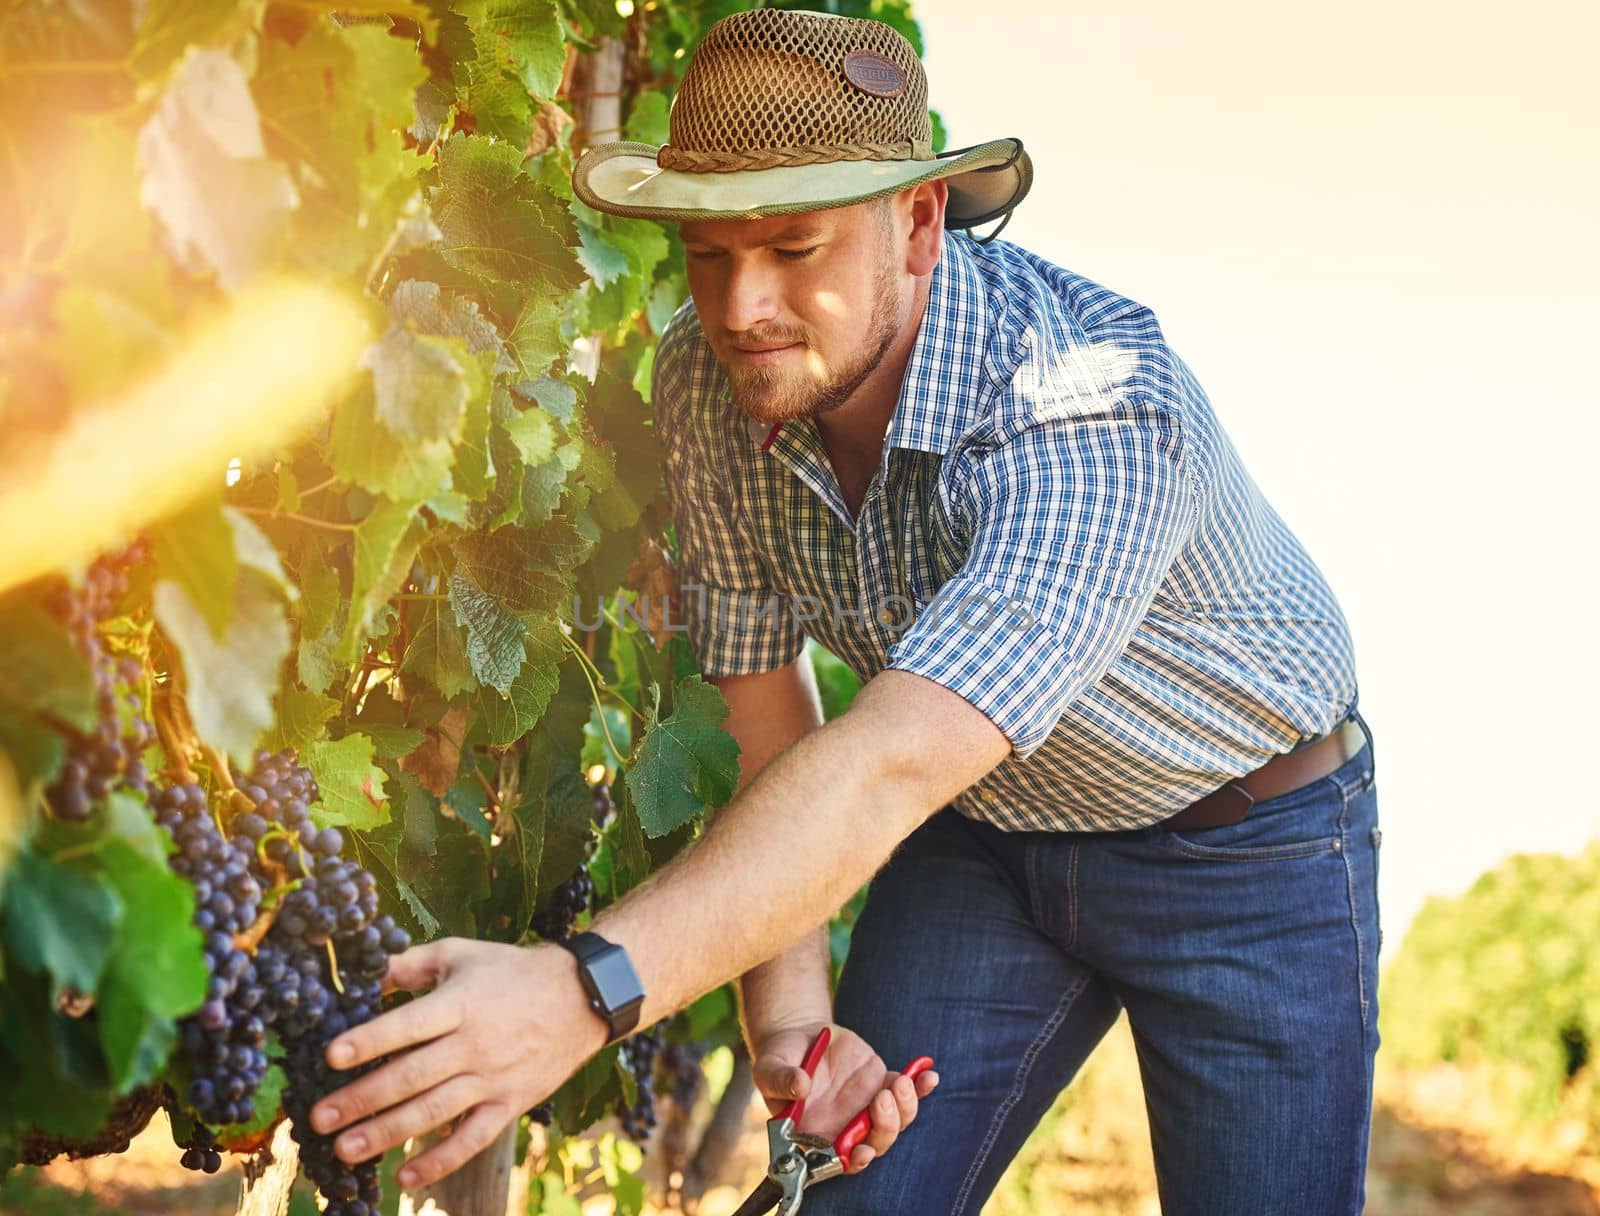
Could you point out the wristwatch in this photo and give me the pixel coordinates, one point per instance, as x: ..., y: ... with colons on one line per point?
x: 610, y: 981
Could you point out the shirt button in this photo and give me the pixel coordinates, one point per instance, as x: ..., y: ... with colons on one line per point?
x: 986, y: 795
x: 885, y: 617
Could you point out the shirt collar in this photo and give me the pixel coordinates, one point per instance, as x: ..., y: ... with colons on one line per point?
x: 938, y: 397
x: 948, y: 353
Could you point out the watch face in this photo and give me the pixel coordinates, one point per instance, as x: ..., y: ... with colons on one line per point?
x: 615, y: 977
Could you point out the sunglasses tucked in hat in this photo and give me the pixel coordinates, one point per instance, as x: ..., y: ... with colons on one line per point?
x: 782, y: 111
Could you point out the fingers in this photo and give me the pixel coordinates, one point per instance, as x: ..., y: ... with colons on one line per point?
x: 475, y: 1134
x: 399, y: 1124
x: 419, y: 1021
x: 893, y: 1110
x: 419, y: 967
x: 779, y: 1080
x: 403, y: 1078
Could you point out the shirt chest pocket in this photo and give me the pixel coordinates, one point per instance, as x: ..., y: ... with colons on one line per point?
x: 927, y: 536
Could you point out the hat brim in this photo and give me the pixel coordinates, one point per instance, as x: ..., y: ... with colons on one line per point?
x: 986, y: 181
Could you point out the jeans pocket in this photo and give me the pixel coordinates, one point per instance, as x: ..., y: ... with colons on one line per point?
x: 1302, y: 823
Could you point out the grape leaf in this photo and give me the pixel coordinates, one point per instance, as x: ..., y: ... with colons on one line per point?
x: 364, y: 451
x: 419, y: 385
x: 452, y: 881
x: 536, y: 336
x: 524, y: 35
x: 474, y: 470
x: 129, y: 823
x: 300, y: 718
x: 60, y: 921
x: 390, y: 742
x: 647, y: 119
x: 390, y: 71
x: 437, y: 759
x: 156, y: 970
x: 589, y: 1094
x: 513, y: 714
x: 525, y: 570
x: 438, y: 652
x: 195, y: 549
x: 168, y: 27
x: 230, y: 682
x: 255, y: 552
x: 603, y: 259
x: 382, y: 559
x: 320, y: 622
x: 41, y: 671
x: 352, y: 785
x: 494, y: 633
x: 534, y: 434
x: 492, y: 219
x: 207, y: 177
x: 687, y: 764
x: 423, y: 307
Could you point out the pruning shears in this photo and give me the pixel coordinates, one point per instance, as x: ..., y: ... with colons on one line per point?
x: 798, y: 1159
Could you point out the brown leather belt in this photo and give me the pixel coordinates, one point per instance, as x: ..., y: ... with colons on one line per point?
x: 1278, y: 776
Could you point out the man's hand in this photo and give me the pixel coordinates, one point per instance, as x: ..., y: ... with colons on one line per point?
x: 850, y: 1076
x: 501, y: 1029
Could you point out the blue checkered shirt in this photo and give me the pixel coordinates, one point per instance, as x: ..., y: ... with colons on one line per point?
x: 1060, y: 532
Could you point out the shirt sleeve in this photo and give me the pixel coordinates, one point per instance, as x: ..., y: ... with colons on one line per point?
x: 736, y: 622
x: 1074, y: 523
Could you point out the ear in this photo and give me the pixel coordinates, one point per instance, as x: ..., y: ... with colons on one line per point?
x: 923, y: 243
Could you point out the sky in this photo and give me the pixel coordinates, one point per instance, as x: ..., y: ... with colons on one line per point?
x: 1369, y: 229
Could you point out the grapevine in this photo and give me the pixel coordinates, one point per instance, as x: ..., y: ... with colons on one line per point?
x: 330, y: 698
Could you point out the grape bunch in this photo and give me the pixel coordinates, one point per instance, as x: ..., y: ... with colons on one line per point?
x: 330, y: 920
x: 109, y: 756
x: 201, y: 1153
x: 681, y: 1064
x: 555, y: 918
x: 543, y: 1113
x: 311, y: 971
x: 604, y: 808
x: 639, y: 1058
x: 225, y: 1041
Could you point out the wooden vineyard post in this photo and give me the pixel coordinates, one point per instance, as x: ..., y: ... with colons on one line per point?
x: 481, y: 1187
x: 597, y: 104
x: 267, y: 1194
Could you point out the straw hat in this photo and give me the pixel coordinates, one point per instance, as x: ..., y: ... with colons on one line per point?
x: 782, y: 111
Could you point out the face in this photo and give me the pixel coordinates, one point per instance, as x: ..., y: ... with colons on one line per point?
x: 799, y: 309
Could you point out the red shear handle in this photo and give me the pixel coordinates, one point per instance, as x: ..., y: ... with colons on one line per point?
x: 856, y: 1130
x: 813, y: 1057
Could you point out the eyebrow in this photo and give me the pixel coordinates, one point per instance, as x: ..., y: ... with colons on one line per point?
x: 792, y: 233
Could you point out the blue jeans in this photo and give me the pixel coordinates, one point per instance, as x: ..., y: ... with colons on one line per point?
x: 1246, y: 957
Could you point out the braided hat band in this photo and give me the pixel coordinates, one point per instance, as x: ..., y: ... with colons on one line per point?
x: 785, y: 110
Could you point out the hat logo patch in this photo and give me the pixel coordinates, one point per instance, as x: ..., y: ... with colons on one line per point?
x: 872, y: 73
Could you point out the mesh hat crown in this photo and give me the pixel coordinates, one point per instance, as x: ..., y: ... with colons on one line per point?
x: 768, y: 88
x: 786, y: 110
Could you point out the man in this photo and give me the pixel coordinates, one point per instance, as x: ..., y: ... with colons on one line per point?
x: 1106, y: 755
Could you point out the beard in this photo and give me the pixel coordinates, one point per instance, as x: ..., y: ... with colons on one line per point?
x: 794, y: 389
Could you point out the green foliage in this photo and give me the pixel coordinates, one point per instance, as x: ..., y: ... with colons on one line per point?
x: 1507, y: 976
x: 394, y: 598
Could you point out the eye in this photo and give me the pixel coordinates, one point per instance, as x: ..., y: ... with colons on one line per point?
x: 797, y: 255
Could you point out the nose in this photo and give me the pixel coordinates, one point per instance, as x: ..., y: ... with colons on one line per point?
x: 750, y: 298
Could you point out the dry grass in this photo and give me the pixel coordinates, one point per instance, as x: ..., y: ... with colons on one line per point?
x: 1442, y: 1146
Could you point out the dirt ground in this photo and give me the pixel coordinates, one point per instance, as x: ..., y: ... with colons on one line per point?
x: 1440, y: 1148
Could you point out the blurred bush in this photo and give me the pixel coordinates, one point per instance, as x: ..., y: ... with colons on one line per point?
x: 1507, y: 978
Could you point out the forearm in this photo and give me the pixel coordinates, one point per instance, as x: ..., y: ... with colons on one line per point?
x: 814, y: 825
x: 791, y: 989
